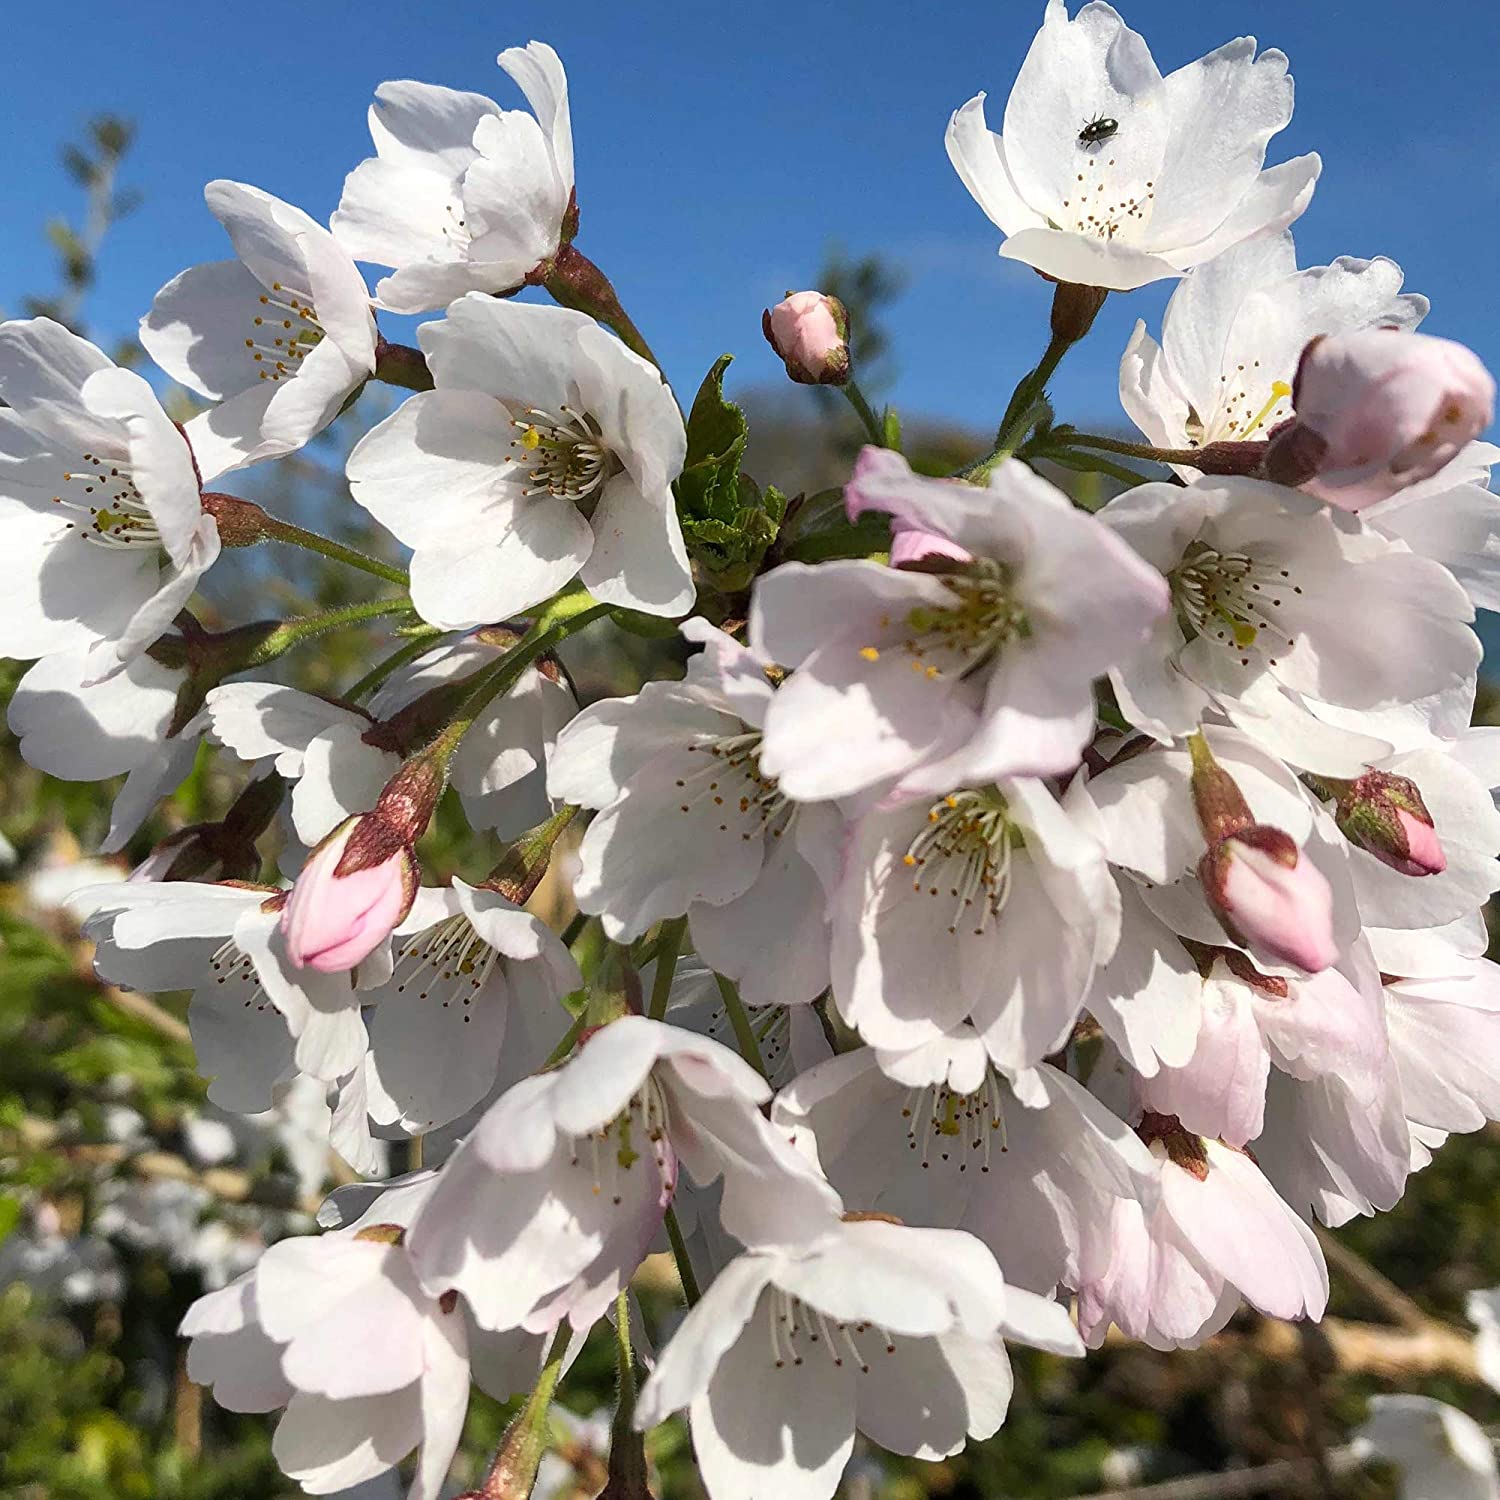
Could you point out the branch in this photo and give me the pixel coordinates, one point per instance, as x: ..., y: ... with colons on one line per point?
x: 1380, y: 1289
x: 1285, y: 1473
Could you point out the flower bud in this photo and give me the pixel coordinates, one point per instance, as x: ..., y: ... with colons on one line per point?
x: 353, y: 890
x: 1378, y: 410
x: 1268, y: 895
x: 1386, y: 817
x: 810, y: 332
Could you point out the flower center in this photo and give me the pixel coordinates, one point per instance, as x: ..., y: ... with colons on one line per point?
x: 1232, y: 598
x: 283, y: 333
x: 610, y: 1153
x: 731, y: 778
x: 772, y: 1028
x: 230, y: 966
x: 454, y: 228
x: 1101, y: 207
x: 964, y: 855
x: 563, y: 455
x: 110, y: 511
x: 450, y: 961
x: 960, y: 637
x: 800, y: 1332
x: 948, y: 1126
x: 1238, y: 419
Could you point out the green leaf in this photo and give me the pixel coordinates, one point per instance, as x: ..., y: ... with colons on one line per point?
x: 726, y: 520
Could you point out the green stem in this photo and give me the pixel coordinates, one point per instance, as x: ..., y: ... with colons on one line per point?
x: 668, y: 948
x: 292, y: 633
x: 1088, y: 463
x: 680, y: 1255
x: 1029, y: 388
x: 513, y: 1473
x: 569, y: 1040
x: 566, y: 615
x: 863, y: 410
x: 278, y: 530
x: 627, y: 1477
x: 420, y: 642
x: 744, y: 1035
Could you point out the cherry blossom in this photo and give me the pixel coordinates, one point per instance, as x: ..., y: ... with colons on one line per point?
x: 547, y: 450
x: 1109, y: 175
x: 893, y: 1331
x: 1219, y: 1232
x: 552, y: 1202
x: 101, y: 501
x: 1271, y: 619
x: 1234, y: 331
x: 954, y: 677
x: 676, y: 772
x: 462, y: 195
x: 280, y: 337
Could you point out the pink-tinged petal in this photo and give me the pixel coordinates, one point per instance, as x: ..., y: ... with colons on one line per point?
x: 331, y: 921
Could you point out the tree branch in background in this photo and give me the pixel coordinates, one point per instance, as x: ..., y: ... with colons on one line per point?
x: 94, y: 164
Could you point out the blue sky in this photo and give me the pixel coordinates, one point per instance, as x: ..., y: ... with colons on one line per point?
x: 720, y: 148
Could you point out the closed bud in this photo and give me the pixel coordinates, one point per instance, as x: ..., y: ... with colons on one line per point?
x: 1386, y: 817
x: 1268, y: 896
x: 1378, y: 410
x: 353, y: 890
x: 810, y: 333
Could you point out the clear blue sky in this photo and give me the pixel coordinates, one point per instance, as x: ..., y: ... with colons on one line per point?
x: 720, y: 147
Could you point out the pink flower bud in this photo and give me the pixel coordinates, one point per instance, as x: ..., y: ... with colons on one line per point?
x: 1378, y: 410
x: 1269, y: 896
x: 1424, y: 850
x: 810, y: 332
x: 355, y: 887
x: 1386, y: 816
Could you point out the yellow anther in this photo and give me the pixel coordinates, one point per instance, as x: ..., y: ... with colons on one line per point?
x: 908, y: 859
x: 869, y: 653
x: 1280, y: 390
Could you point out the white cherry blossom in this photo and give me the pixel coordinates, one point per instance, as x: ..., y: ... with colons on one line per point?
x: 547, y: 450
x: 1109, y: 175
x: 991, y: 904
x: 1280, y: 604
x: 1439, y: 1452
x: 340, y: 756
x: 100, y: 499
x: 279, y: 337
x: 893, y: 1331
x: 337, y: 1329
x: 253, y: 1016
x: 462, y: 195
x: 1218, y: 1232
x: 961, y: 671
x: 77, y: 728
x: 1233, y: 332
x: 552, y: 1202
x: 951, y: 1146
x: 465, y: 960
x: 690, y: 823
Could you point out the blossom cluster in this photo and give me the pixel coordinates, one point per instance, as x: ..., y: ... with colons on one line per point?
x: 1091, y: 893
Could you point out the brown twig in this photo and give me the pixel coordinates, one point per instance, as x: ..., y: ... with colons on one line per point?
x: 1380, y: 1289
x: 1285, y: 1473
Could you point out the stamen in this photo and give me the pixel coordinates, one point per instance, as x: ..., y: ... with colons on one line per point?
x: 965, y: 852
x: 563, y: 455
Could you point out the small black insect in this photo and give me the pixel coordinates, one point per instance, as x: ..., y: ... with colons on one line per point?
x: 1097, y: 131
